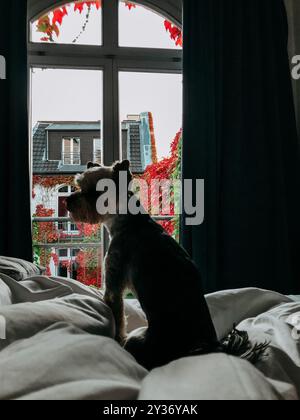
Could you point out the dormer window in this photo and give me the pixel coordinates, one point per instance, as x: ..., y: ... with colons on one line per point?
x: 71, y: 151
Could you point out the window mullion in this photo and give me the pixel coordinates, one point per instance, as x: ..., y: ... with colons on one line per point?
x: 72, y: 152
x: 116, y: 111
x: 110, y: 23
x: 111, y: 135
x: 111, y: 126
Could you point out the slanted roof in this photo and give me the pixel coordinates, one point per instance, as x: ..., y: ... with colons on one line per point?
x: 71, y: 168
x: 74, y: 126
x: 40, y: 164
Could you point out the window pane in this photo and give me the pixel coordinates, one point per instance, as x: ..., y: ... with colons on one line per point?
x: 63, y: 252
x: 64, y: 189
x: 97, y: 151
x: 66, y: 118
x: 71, y: 151
x: 151, y: 115
x: 67, y: 150
x: 62, y: 211
x: 142, y: 27
x: 76, y: 152
x: 72, y: 23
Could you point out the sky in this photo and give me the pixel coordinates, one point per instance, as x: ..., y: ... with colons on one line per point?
x: 77, y: 95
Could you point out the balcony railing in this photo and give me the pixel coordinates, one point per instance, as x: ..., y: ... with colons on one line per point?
x: 68, y: 250
x: 71, y: 158
x: 97, y: 157
x: 66, y: 234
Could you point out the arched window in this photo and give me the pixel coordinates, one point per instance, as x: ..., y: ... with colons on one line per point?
x: 113, y: 45
x: 62, y: 212
x: 106, y: 83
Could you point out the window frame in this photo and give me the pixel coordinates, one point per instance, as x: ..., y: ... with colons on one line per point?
x: 71, y: 226
x: 96, y: 151
x: 72, y: 154
x: 109, y: 58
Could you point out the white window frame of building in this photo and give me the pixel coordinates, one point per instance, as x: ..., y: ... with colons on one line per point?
x: 71, y: 228
x: 71, y: 158
x: 69, y: 257
x: 97, y: 150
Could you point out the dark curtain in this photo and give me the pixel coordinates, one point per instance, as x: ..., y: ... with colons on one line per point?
x: 240, y: 137
x: 15, y: 225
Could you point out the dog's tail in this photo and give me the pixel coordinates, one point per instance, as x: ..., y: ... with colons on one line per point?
x: 237, y: 343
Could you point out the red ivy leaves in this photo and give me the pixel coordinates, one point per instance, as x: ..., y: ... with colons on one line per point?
x: 50, y: 182
x: 130, y: 5
x: 167, y: 168
x: 55, y: 258
x: 80, y: 5
x: 175, y: 33
x: 45, y: 26
x: 88, y: 268
x: 58, y: 15
x: 153, y: 139
x: 48, y: 28
x: 87, y: 261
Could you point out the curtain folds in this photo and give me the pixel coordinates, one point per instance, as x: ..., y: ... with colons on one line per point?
x: 240, y: 137
x: 15, y: 223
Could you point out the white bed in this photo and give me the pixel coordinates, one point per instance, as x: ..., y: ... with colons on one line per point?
x: 59, y: 345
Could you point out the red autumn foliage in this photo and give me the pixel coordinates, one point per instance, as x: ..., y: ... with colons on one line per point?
x: 44, y: 233
x: 130, y: 5
x: 50, y: 182
x: 89, y: 268
x: 175, y: 33
x: 48, y: 27
x: 58, y: 15
x: 153, y: 139
x: 48, y: 232
x: 165, y: 169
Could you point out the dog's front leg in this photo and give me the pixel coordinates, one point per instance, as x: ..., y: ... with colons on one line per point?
x: 113, y: 297
x: 115, y: 302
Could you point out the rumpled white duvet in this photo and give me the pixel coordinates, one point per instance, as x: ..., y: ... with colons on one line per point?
x: 56, y: 342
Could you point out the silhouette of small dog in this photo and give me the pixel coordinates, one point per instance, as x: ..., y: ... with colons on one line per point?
x: 144, y: 258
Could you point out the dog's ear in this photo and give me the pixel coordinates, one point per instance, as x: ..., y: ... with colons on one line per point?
x: 121, y: 166
x: 93, y: 165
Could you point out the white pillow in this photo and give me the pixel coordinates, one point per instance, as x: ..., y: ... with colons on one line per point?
x: 215, y: 377
x: 19, y: 269
x: 135, y: 316
x: 25, y: 320
x: 227, y: 308
x: 5, y: 294
x: 65, y: 363
x: 234, y: 306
